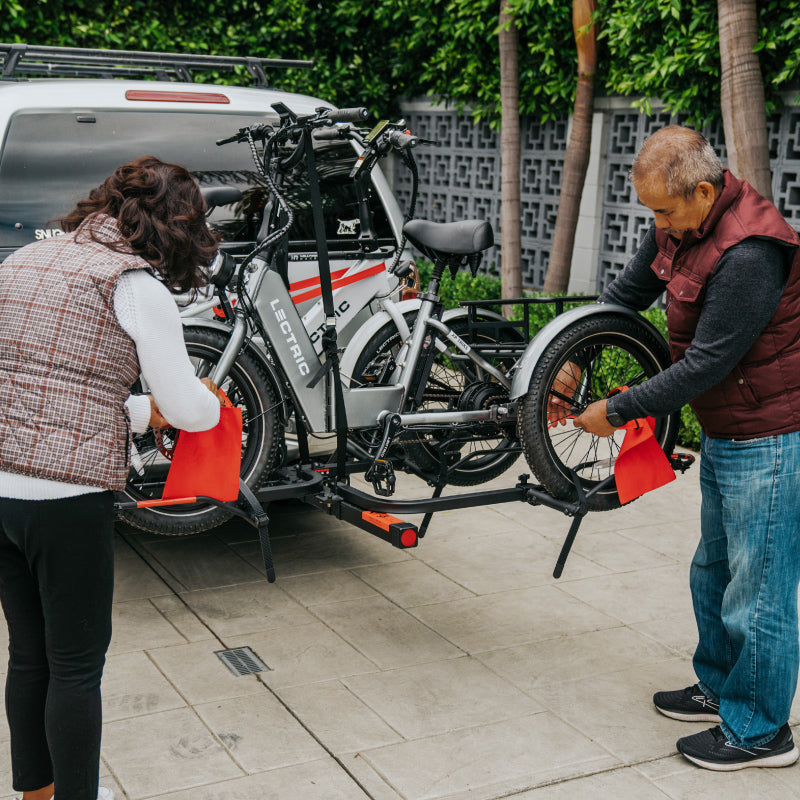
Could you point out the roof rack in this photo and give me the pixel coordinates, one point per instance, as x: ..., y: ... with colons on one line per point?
x: 81, y: 62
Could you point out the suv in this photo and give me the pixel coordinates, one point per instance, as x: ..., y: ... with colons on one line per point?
x: 64, y: 133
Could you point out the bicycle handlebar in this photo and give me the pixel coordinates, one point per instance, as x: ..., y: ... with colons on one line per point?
x: 329, y: 134
x: 347, y: 114
x: 402, y: 140
x: 255, y: 131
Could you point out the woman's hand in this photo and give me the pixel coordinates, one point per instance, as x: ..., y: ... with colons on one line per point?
x: 212, y: 387
x: 156, y: 419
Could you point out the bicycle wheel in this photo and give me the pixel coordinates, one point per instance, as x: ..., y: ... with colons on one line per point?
x: 474, y: 453
x: 248, y: 387
x: 605, y: 353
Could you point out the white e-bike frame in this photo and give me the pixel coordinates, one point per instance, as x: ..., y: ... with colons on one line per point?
x: 310, y: 383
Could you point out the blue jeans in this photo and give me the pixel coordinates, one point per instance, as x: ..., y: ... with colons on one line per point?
x: 744, y: 580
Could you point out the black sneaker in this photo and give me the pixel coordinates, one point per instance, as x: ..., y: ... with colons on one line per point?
x: 712, y: 750
x: 689, y: 705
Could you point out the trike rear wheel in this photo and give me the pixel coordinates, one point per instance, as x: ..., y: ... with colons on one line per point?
x: 606, y: 353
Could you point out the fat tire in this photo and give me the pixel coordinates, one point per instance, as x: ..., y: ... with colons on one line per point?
x: 424, y: 457
x: 632, y: 337
x: 248, y: 382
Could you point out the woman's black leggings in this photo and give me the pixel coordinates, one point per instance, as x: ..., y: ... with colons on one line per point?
x: 56, y: 587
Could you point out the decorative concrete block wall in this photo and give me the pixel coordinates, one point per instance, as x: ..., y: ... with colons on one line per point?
x: 460, y: 178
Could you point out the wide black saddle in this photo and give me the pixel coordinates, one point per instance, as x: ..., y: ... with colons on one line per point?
x: 441, y: 239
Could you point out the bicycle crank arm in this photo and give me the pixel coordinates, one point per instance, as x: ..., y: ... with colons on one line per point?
x: 494, y: 414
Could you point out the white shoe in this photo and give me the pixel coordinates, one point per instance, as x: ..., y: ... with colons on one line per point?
x: 102, y: 794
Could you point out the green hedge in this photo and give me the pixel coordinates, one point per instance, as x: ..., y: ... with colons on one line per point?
x: 465, y: 287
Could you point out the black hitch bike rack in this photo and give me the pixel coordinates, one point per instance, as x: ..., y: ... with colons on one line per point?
x: 320, y: 488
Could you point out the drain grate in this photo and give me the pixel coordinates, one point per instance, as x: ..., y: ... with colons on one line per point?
x: 241, y: 661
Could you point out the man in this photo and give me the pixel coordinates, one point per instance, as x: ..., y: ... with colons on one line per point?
x: 726, y: 258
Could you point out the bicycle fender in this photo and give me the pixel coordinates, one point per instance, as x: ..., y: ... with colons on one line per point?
x: 533, y: 352
x: 367, y: 331
x: 256, y: 352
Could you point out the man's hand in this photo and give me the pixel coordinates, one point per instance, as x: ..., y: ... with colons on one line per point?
x: 593, y: 420
x: 156, y: 420
x: 559, y: 402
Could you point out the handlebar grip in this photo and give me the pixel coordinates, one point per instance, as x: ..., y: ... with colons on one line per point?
x: 328, y: 133
x: 402, y: 140
x: 348, y: 115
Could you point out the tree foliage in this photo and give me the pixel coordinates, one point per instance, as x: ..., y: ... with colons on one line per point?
x: 670, y: 49
x: 373, y: 53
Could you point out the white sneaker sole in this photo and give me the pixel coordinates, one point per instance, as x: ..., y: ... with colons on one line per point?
x: 700, y: 717
x: 780, y: 760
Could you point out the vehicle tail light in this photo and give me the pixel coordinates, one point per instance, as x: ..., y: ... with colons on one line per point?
x: 176, y: 97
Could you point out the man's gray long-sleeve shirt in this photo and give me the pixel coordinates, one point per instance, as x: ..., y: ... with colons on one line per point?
x: 742, y: 295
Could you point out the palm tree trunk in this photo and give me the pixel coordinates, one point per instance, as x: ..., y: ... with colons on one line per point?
x: 576, y: 156
x: 510, y: 212
x: 744, y: 115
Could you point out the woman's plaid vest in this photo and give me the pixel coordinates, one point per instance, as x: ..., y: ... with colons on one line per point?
x: 66, y: 364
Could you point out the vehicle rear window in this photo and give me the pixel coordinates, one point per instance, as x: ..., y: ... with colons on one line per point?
x: 51, y: 160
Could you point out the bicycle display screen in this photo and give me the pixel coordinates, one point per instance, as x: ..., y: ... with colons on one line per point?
x: 377, y: 130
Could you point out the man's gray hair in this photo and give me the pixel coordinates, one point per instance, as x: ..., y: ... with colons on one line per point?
x: 681, y: 157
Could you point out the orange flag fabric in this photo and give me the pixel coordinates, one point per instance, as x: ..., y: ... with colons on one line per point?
x: 641, y: 464
x: 208, y: 462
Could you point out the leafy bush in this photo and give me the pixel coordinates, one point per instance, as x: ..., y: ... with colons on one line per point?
x: 689, y: 429
x: 373, y: 53
x: 485, y: 287
x: 462, y: 287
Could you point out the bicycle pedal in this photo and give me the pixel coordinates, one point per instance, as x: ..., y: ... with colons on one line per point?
x: 381, y: 475
x: 681, y: 461
x: 378, y: 369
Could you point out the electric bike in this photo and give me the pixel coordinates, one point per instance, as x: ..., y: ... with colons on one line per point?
x: 451, y: 398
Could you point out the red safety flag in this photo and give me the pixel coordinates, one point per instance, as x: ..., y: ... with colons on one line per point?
x: 641, y: 465
x: 208, y: 462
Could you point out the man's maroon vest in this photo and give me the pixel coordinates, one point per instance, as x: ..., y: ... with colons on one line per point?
x: 761, y: 396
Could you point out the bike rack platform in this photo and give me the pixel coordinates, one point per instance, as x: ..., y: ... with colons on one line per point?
x: 318, y: 487
x: 375, y: 515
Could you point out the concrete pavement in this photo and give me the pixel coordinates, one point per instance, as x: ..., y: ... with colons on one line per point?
x: 460, y: 669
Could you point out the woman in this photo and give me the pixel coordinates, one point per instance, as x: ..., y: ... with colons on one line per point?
x: 80, y: 317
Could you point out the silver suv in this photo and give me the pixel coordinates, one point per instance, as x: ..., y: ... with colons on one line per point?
x: 69, y: 117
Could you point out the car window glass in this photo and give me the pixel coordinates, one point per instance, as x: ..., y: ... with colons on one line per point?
x: 51, y: 160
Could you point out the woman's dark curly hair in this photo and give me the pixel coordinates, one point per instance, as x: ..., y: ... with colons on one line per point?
x: 161, y: 214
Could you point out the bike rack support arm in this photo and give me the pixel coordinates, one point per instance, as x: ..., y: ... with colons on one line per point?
x: 431, y: 504
x: 579, y: 515
x: 296, y: 484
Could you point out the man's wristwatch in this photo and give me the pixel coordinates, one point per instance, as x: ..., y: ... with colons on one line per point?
x: 615, y: 419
